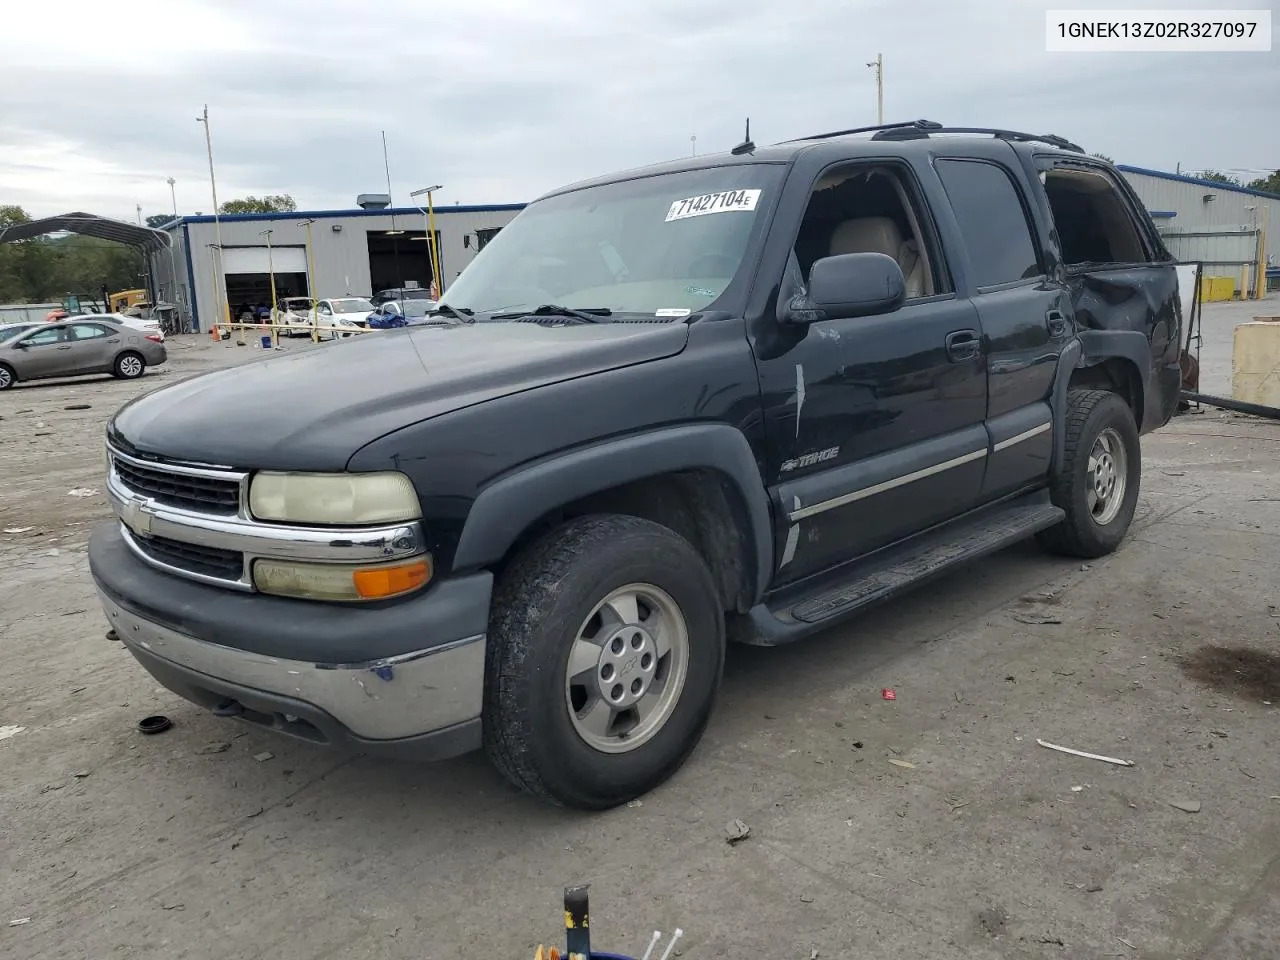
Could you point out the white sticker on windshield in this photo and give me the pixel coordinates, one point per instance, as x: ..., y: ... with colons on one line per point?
x: 723, y: 202
x: 673, y: 312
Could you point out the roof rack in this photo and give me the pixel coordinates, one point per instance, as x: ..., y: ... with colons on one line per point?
x: 923, y: 129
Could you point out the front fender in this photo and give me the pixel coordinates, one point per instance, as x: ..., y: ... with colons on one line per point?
x: 507, y: 507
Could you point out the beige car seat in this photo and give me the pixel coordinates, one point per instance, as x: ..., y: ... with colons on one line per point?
x: 881, y: 235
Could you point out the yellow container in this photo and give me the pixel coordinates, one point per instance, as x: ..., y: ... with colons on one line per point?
x: 1255, y: 363
x: 1217, y: 288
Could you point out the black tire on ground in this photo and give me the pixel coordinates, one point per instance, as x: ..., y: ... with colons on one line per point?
x: 1094, y: 416
x: 540, y: 605
x: 7, y: 377
x: 129, y: 366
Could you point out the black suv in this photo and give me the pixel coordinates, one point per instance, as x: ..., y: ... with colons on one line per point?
x: 732, y: 397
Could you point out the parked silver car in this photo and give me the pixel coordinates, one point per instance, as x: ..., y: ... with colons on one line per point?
x: 78, y: 347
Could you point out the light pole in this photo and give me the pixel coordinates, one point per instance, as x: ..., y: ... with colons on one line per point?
x: 429, y: 220
x: 173, y: 196
x: 693, y: 145
x: 878, y: 66
x: 219, y: 284
x: 311, y: 292
x: 271, y: 273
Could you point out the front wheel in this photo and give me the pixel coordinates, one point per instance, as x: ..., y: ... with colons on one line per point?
x: 605, y: 653
x: 7, y: 379
x: 1098, y: 480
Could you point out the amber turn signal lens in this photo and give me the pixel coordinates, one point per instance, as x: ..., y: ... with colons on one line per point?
x: 379, y: 582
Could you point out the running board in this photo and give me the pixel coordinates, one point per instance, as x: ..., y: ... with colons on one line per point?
x: 899, y: 568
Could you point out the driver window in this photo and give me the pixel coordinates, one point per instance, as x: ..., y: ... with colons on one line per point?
x: 866, y: 209
x: 52, y: 335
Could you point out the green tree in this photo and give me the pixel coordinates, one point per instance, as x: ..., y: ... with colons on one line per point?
x: 1270, y: 183
x: 276, y: 203
x: 158, y: 220
x: 1217, y: 177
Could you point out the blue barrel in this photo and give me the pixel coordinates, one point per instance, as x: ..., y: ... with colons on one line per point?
x: 266, y: 341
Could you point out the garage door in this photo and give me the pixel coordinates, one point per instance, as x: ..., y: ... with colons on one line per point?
x: 254, y: 260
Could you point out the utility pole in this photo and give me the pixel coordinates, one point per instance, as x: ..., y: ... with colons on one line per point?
x: 218, y: 282
x: 173, y: 196
x: 139, y: 214
x: 878, y: 66
x: 271, y: 273
x: 311, y: 290
x: 694, y: 145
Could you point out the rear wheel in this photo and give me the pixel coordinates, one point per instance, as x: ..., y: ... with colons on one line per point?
x: 129, y: 366
x: 1098, y: 481
x: 7, y: 376
x: 605, y: 653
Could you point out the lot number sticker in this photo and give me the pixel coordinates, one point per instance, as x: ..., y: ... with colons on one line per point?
x: 726, y: 201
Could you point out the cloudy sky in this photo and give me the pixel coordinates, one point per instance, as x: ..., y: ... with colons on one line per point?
x: 499, y: 100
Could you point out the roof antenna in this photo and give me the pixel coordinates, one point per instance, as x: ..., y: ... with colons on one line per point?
x: 746, y: 146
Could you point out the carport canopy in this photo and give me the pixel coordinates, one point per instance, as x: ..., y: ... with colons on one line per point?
x: 90, y: 225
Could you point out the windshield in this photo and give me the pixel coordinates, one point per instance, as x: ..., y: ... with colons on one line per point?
x: 352, y: 305
x: 297, y: 305
x: 416, y: 308
x: 671, y: 242
x: 8, y: 333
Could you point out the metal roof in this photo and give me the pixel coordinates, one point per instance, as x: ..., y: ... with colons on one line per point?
x: 440, y: 211
x: 89, y: 225
x: 1183, y: 178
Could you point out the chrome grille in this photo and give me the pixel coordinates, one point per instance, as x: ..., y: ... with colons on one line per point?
x: 203, y: 491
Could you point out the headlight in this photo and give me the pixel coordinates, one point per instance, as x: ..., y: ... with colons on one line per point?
x: 340, y: 581
x: 338, y: 499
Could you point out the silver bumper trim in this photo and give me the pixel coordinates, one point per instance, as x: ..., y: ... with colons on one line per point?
x: 387, y: 699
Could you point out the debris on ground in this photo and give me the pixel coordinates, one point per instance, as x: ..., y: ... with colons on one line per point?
x: 21, y: 921
x: 78, y: 406
x: 81, y: 774
x: 173, y: 906
x: 82, y: 492
x: 736, y: 831
x: 1081, y: 753
x: 633, y: 804
x: 1036, y: 619
x: 993, y: 920
x: 806, y: 898
x: 888, y: 694
x: 264, y: 756
x: 1187, y: 806
x: 902, y: 763
x: 154, y: 724
x: 10, y: 731
x: 1127, y: 943
x: 18, y: 529
x: 221, y: 746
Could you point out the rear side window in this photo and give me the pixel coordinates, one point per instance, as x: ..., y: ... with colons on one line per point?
x: 88, y: 331
x: 992, y: 221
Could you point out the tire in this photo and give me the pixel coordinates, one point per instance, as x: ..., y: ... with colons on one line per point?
x: 129, y: 366
x: 1100, y: 423
x: 545, y: 605
x: 7, y: 377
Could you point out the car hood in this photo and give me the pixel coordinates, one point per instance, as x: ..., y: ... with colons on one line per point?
x: 313, y: 409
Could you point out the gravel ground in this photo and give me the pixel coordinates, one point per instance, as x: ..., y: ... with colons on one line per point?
x: 928, y: 826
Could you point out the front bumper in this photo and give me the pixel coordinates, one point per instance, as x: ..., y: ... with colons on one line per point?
x: 403, y: 679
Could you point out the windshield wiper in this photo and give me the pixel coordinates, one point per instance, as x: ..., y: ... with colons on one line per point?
x: 465, y: 314
x: 586, y: 315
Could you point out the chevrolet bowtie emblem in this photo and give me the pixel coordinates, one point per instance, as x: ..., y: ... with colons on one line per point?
x: 137, y: 514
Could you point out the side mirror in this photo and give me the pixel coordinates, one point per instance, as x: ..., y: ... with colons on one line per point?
x: 856, y: 285
x: 21, y: 345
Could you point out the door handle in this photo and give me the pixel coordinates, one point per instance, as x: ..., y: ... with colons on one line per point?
x: 114, y: 340
x: 1057, y: 323
x: 963, y: 345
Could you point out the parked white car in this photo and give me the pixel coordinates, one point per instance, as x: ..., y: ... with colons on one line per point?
x: 343, y: 312
x: 151, y: 329
x: 294, y: 314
